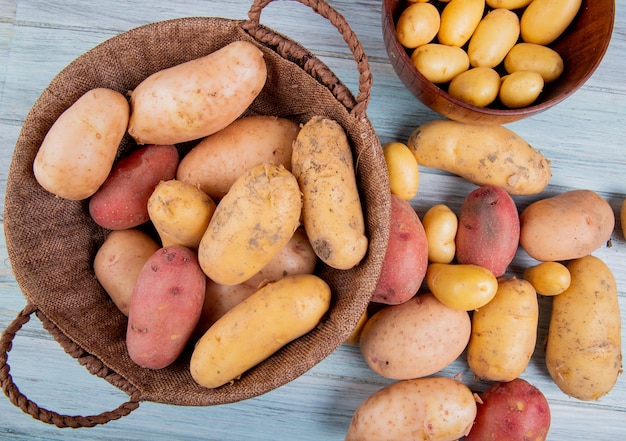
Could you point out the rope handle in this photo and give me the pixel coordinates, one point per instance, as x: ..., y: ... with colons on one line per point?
x: 339, y: 22
x: 30, y: 407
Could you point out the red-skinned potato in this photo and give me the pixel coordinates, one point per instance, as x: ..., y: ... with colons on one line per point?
x: 165, y: 307
x: 511, y: 411
x: 406, y: 259
x: 489, y: 229
x: 122, y: 200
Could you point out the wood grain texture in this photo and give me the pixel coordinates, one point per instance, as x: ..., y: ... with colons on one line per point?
x: 582, y: 136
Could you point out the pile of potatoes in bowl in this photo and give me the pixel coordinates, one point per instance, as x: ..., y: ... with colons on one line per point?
x: 217, y: 247
x: 487, y: 52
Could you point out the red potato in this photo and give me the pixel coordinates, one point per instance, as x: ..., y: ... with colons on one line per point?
x: 489, y: 229
x: 406, y: 259
x: 511, y: 411
x: 165, y: 307
x: 122, y: 200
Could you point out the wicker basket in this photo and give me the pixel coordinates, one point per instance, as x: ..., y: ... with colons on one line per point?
x: 52, y: 242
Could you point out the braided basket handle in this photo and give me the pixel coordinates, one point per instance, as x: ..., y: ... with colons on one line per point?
x: 30, y: 407
x: 338, y: 21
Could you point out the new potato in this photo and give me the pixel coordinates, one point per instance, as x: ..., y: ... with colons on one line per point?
x: 543, y: 21
x: 332, y: 214
x: 180, y: 212
x: 535, y: 58
x: 440, y: 63
x: 259, y: 326
x: 504, y: 332
x: 78, y: 152
x: 459, y: 20
x: 584, y: 349
x: 434, y: 409
x: 417, y: 25
x: 403, y: 170
x: 567, y: 226
x: 197, y: 98
x: 520, y: 89
x: 216, y: 162
x: 461, y: 286
x: 548, y: 278
x: 251, y: 224
x: 440, y: 225
x: 493, y: 38
x: 414, y: 339
x: 478, y: 86
x: 483, y: 155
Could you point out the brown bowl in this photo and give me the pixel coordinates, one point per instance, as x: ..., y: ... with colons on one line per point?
x: 582, y: 47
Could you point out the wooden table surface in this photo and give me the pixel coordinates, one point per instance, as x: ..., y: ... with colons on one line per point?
x: 583, y: 137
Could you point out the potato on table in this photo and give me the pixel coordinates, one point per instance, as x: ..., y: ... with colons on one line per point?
x: 567, y: 226
x: 165, y: 307
x: 483, y: 155
x: 489, y: 229
x: 406, y: 258
x: 504, y: 332
x: 511, y: 411
x: 584, y: 349
x: 414, y: 339
x: 122, y: 201
x: 433, y: 408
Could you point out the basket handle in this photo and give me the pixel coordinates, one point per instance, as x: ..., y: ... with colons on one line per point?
x: 338, y: 21
x: 30, y: 407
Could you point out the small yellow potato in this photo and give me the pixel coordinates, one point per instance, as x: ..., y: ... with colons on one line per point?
x: 180, y: 212
x: 520, y: 89
x: 459, y: 20
x: 543, y: 21
x: 216, y: 162
x: 403, y: 170
x: 536, y: 58
x: 77, y: 154
x: 440, y: 224
x: 584, y: 350
x: 251, y: 224
x: 504, y: 332
x: 433, y: 408
x: 493, y: 38
x: 567, y: 226
x: 478, y: 86
x: 332, y: 214
x: 414, y: 339
x: 440, y: 63
x: 461, y: 286
x: 259, y: 326
x: 197, y: 98
x: 508, y: 4
x: 482, y: 154
x: 118, y: 262
x: 417, y: 25
x: 548, y: 278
